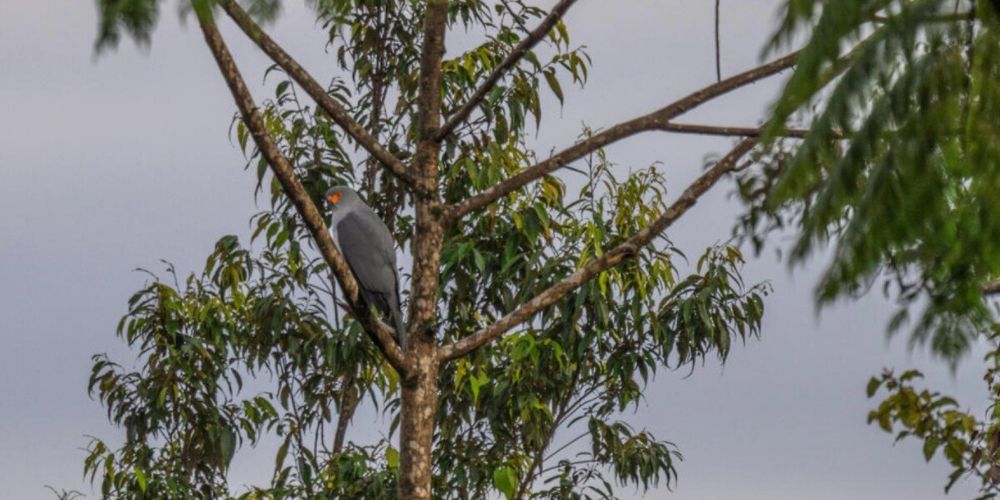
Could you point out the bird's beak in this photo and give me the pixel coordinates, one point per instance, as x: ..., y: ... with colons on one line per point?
x: 333, y: 198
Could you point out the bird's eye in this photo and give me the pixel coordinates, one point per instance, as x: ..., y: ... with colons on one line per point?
x: 333, y: 198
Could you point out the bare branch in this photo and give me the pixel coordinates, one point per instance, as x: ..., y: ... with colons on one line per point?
x: 285, y: 173
x: 653, y: 121
x: 512, y: 59
x: 319, y: 94
x: 685, y: 128
x: 610, y: 259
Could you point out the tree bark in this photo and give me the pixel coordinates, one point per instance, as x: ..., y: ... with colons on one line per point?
x: 420, y: 403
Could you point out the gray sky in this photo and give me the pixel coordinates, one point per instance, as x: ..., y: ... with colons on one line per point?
x: 113, y: 165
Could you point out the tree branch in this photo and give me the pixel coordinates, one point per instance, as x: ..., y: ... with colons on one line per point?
x: 285, y: 173
x: 319, y: 94
x: 348, y: 404
x: 610, y: 259
x: 653, y: 121
x: 685, y: 128
x: 512, y: 59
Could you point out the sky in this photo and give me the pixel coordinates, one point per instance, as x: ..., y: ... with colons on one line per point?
x: 111, y: 164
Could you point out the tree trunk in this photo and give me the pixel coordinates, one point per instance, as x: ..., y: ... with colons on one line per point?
x: 420, y: 403
x: 420, y: 391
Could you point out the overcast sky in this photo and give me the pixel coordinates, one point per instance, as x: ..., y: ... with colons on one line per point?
x: 113, y: 164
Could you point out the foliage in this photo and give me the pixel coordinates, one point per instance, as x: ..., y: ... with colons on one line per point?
x: 970, y: 444
x: 587, y: 359
x: 183, y: 410
x: 255, y: 346
x: 899, y: 167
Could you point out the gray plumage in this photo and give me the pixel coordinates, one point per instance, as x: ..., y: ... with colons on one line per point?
x: 370, y: 251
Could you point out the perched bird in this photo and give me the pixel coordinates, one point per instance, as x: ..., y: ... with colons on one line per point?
x: 370, y: 252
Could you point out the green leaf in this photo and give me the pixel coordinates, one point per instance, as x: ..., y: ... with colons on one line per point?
x: 873, y: 385
x: 140, y: 478
x: 279, y: 458
x: 563, y: 32
x: 953, y: 478
x: 480, y: 261
x: 392, y: 457
x: 227, y: 445
x: 505, y: 480
x: 475, y: 382
x: 931, y: 445
x: 281, y: 88
x: 550, y: 77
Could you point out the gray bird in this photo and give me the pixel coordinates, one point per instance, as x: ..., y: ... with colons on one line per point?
x: 370, y: 252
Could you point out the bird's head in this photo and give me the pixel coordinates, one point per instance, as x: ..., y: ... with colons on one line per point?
x: 340, y: 197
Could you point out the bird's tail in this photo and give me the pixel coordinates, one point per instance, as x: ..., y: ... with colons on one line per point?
x: 397, y: 320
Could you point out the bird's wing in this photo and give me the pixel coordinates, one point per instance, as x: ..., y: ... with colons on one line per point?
x: 368, y: 248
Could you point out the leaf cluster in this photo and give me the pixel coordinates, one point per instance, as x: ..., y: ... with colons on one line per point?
x: 969, y: 443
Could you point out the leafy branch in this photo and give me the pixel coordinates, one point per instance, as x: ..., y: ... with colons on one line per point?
x: 613, y: 257
x: 512, y: 59
x: 292, y: 186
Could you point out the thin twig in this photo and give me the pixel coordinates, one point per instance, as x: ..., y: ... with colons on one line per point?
x: 718, y: 44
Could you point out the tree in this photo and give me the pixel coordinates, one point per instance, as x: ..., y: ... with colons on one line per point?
x: 543, y: 292
x: 898, y: 171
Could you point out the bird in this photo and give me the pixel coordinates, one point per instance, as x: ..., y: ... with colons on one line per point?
x: 369, y: 249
